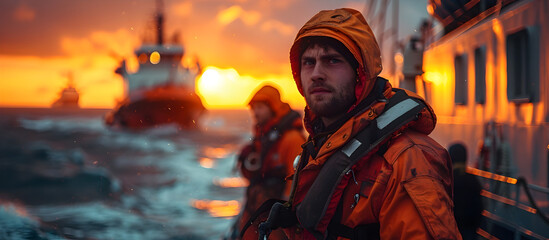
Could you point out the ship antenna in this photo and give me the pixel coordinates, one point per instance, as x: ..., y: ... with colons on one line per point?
x: 70, y: 79
x: 159, y: 22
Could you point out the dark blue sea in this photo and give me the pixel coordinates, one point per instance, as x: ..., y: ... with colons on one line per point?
x: 64, y: 174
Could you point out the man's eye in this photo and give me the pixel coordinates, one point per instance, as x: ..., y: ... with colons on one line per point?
x: 307, y: 62
x: 335, y: 60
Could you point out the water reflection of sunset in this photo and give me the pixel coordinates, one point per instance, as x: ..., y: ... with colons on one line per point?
x: 233, y: 182
x: 206, y: 162
x: 218, y: 208
x: 216, y: 152
x: 14, y: 207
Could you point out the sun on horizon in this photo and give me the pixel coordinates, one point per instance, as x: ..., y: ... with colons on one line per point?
x: 227, y: 89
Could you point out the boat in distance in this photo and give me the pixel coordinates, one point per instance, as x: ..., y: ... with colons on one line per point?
x: 68, y: 97
x: 161, y: 92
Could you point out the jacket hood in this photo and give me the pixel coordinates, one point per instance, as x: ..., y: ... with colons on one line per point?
x: 271, y: 96
x: 349, y: 27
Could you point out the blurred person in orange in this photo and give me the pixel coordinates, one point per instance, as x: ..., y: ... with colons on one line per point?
x: 268, y: 159
x: 369, y: 170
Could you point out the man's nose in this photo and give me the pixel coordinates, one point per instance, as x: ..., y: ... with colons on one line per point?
x: 318, y: 73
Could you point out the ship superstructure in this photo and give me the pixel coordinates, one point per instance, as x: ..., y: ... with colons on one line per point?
x: 68, y: 97
x: 162, y: 91
x: 486, y: 75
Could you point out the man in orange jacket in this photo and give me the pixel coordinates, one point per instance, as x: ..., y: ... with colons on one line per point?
x: 369, y: 169
x: 268, y: 159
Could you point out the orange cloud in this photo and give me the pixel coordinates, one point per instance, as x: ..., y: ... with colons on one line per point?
x: 279, y: 4
x: 234, y: 12
x: 120, y: 43
x: 229, y: 15
x: 24, y: 13
x: 182, y: 9
x: 280, y: 27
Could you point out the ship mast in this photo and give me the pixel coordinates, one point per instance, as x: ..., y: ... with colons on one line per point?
x: 159, y: 22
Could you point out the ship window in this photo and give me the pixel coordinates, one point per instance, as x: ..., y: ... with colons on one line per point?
x: 523, y: 65
x: 460, y: 97
x: 480, y: 75
x: 143, y: 58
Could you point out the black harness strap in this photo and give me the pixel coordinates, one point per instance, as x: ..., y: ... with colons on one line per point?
x: 268, y: 140
x: 360, y: 232
x: 265, y: 207
x: 399, y: 110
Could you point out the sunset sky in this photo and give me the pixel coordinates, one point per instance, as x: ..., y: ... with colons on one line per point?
x: 243, y: 42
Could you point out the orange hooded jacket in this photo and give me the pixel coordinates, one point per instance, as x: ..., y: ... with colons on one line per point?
x: 268, y: 181
x: 288, y: 145
x: 408, y: 188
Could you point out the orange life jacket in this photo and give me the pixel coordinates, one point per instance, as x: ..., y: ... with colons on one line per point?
x: 407, y: 189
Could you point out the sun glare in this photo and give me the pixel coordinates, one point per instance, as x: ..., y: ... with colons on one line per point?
x: 210, y: 80
x: 227, y: 89
x: 223, y: 88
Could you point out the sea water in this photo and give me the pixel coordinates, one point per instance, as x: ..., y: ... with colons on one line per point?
x: 69, y: 176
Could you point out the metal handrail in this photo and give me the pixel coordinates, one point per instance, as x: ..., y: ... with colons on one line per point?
x: 522, y: 181
x: 518, y: 181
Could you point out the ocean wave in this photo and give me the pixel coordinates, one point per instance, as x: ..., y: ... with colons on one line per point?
x: 64, y: 124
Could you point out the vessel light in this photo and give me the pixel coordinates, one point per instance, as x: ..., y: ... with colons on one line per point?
x: 155, y: 57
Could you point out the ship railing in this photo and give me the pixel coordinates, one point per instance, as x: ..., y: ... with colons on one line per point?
x: 500, y: 191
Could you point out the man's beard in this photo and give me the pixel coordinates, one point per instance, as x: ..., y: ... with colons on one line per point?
x: 337, y: 104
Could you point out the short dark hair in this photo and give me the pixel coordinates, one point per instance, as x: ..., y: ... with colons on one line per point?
x: 325, y: 42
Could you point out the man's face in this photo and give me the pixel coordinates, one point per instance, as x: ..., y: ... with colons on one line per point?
x: 262, y: 112
x: 328, y: 82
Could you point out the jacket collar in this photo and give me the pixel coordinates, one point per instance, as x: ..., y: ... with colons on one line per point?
x: 320, y: 133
